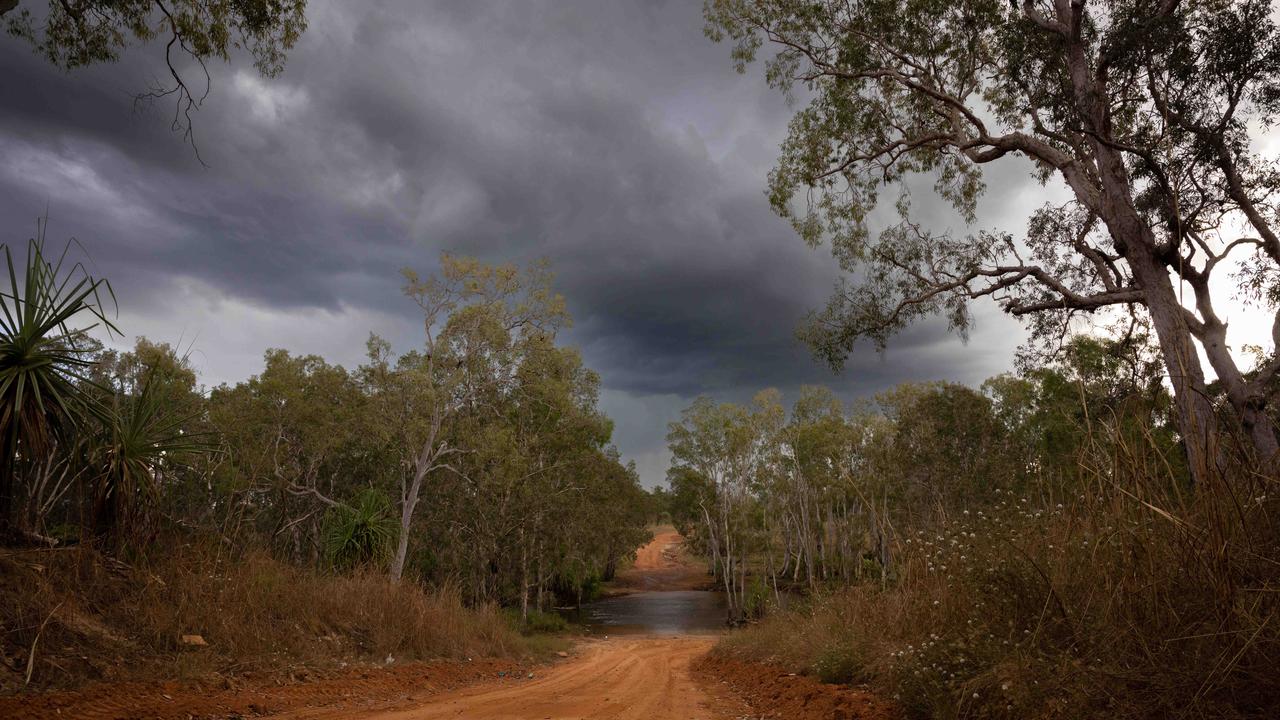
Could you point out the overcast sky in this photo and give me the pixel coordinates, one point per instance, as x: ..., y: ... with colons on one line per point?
x: 611, y: 137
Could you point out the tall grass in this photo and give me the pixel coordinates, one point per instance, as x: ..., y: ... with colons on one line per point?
x: 252, y: 610
x: 1128, y: 596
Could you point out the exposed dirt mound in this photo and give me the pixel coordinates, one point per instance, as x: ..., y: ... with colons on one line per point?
x: 92, y: 618
x: 774, y: 693
x: 348, y: 691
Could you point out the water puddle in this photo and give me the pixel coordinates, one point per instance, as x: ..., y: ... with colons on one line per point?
x: 678, y: 612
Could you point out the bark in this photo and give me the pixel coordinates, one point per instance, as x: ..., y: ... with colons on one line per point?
x: 1248, y: 398
x: 1196, y: 416
x: 524, y: 580
x: 8, y: 484
x: 409, y: 502
x: 1114, y: 205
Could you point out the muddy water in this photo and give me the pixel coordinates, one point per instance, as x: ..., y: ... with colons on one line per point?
x: 680, y: 612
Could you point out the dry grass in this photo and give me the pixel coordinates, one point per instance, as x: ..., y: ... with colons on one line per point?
x: 1127, y: 599
x: 104, y: 620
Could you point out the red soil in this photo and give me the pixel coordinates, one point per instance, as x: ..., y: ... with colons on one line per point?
x: 774, y: 693
x: 353, y: 688
x: 663, y: 564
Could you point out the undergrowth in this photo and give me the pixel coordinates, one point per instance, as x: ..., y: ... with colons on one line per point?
x: 92, y: 617
x: 1130, y: 596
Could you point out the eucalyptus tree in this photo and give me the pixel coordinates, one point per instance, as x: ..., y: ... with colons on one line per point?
x: 725, y: 456
x: 816, y: 489
x: 559, y: 435
x: 473, y: 314
x: 941, y: 452
x: 287, y: 433
x: 1142, y: 109
x: 1108, y: 390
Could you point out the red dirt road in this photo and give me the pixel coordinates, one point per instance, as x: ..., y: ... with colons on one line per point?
x: 663, y: 564
x: 622, y: 678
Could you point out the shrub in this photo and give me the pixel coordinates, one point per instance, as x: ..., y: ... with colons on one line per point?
x: 537, y: 622
x: 363, y: 533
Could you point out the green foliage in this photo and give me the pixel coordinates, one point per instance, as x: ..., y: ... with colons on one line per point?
x: 489, y: 436
x: 45, y: 397
x: 85, y: 32
x: 818, y: 498
x: 537, y: 622
x: 839, y: 663
x: 1146, y: 112
x: 143, y: 444
x: 757, y: 597
x: 362, y: 533
x: 77, y: 33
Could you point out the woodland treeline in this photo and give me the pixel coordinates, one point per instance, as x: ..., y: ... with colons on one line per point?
x: 478, y: 460
x: 822, y: 494
x: 1034, y: 547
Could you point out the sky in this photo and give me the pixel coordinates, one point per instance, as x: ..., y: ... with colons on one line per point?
x: 611, y: 138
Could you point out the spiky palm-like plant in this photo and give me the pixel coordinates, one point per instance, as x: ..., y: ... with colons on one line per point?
x: 45, y: 395
x: 361, y: 533
x: 142, y: 442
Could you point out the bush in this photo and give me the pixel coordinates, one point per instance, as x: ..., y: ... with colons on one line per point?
x: 361, y: 534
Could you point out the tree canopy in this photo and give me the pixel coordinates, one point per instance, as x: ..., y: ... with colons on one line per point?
x: 1141, y: 108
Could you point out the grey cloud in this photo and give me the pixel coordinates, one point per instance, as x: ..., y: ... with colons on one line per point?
x: 610, y: 137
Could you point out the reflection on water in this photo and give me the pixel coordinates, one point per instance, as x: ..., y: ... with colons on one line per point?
x: 664, y: 613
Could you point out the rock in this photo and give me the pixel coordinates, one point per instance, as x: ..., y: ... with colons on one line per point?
x: 530, y: 676
x: 563, y: 654
x: 193, y: 640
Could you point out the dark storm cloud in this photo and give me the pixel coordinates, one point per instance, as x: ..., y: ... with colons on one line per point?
x: 611, y: 138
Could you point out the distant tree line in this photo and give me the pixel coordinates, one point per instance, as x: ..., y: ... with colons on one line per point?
x: 822, y: 496
x: 479, y: 459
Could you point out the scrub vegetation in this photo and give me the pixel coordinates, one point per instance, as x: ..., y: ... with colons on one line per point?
x: 1030, y: 548
x: 309, y: 511
x: 1094, y: 534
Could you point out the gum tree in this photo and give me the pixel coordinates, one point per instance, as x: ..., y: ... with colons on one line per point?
x: 473, y: 317
x: 1142, y: 108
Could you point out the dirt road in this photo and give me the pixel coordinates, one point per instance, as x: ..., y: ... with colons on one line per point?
x: 625, y: 678
x: 663, y: 564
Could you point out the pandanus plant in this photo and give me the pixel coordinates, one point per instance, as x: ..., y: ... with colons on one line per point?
x: 142, y: 441
x: 46, y: 397
x: 362, y: 533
